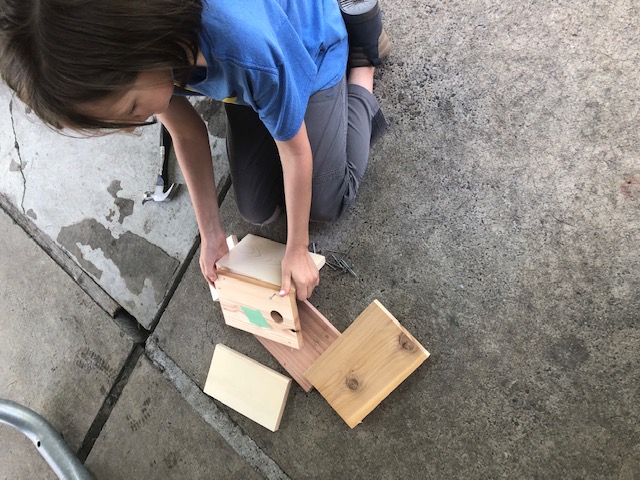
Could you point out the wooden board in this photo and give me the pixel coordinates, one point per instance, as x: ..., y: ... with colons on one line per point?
x: 369, y: 360
x: 232, y: 241
x: 318, y: 334
x: 247, y: 386
x: 259, y: 258
x: 257, y: 307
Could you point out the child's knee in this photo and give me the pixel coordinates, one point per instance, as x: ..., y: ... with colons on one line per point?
x: 327, y: 213
x: 261, y: 218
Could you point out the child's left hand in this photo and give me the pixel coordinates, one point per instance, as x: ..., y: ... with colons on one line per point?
x: 298, y: 268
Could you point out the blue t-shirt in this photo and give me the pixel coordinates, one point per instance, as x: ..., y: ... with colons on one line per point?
x: 272, y: 55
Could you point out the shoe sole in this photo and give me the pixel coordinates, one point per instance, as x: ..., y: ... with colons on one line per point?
x: 359, y: 10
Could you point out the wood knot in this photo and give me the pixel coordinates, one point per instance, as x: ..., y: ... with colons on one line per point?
x: 406, y: 343
x: 352, y: 383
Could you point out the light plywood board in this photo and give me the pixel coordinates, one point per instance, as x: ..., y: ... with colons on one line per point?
x: 257, y: 307
x: 259, y: 258
x: 248, y: 387
x: 318, y: 334
x: 366, y: 363
x: 232, y: 241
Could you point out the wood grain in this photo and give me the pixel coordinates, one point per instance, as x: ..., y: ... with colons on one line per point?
x: 248, y: 387
x: 318, y: 334
x: 248, y: 303
x: 232, y: 241
x: 366, y: 363
x: 259, y: 258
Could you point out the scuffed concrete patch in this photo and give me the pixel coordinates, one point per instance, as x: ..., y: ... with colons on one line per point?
x: 138, y: 272
x: 630, y: 187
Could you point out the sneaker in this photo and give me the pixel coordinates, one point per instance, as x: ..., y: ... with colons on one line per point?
x: 368, y: 42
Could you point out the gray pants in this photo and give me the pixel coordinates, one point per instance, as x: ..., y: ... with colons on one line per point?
x: 342, y: 123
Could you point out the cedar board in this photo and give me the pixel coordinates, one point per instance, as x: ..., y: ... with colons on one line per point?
x: 318, y: 334
x: 256, y: 307
x: 366, y: 363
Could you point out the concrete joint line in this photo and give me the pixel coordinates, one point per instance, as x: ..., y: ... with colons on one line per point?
x: 109, y: 403
x: 205, y: 406
x: 176, y: 278
x: 16, y: 145
x: 223, y: 188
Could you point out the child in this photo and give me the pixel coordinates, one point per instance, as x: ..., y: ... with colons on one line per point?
x: 298, y: 130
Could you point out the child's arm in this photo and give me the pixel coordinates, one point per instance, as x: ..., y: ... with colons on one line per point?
x: 297, y: 169
x: 191, y: 144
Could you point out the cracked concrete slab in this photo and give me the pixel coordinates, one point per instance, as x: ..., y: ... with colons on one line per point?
x: 13, y: 182
x: 149, y: 409
x: 86, y: 194
x: 60, y: 355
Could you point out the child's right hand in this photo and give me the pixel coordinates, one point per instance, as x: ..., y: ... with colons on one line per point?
x: 211, y: 250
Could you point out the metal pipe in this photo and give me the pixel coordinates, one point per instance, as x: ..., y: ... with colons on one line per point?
x: 46, y: 439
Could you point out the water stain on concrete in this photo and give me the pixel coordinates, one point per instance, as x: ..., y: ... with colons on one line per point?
x: 114, y: 188
x: 32, y: 214
x: 15, y: 166
x: 569, y: 352
x: 124, y: 205
x: 136, y: 258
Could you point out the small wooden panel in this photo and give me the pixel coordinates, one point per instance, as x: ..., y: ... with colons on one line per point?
x: 257, y: 307
x: 259, y: 258
x: 369, y: 360
x: 318, y: 334
x: 232, y: 241
x: 247, y: 386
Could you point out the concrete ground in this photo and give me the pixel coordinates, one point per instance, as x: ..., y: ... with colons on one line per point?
x: 499, y: 221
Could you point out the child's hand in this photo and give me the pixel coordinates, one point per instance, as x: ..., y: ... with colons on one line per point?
x: 298, y: 267
x: 211, y: 250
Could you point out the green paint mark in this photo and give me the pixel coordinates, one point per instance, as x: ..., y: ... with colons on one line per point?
x: 255, y: 317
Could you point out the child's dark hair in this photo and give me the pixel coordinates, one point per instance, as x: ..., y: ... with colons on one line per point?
x: 57, y: 54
